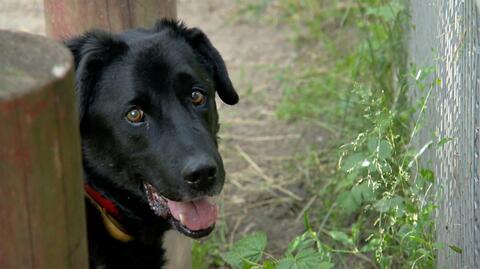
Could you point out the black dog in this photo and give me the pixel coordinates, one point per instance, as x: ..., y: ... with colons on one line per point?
x: 148, y: 123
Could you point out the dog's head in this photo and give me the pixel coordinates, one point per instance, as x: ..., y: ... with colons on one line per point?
x: 149, y: 122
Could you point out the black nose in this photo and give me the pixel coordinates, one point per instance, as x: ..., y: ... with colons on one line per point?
x: 200, y: 173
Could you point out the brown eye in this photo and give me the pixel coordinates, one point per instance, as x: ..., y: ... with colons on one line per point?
x: 135, y: 115
x: 198, y: 98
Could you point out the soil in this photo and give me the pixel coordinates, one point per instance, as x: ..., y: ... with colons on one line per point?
x: 257, y: 147
x: 262, y: 192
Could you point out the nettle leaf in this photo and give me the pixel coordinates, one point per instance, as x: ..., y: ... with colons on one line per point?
x: 372, y: 245
x: 356, y: 194
x: 353, y: 161
x: 363, y: 193
x: 248, y: 249
x: 372, y: 145
x: 347, y: 202
x: 306, y: 259
x: 347, y: 181
x: 385, y: 149
x: 352, y: 200
x: 341, y: 237
x: 385, y: 204
x: 385, y: 166
x: 299, y: 244
x: 381, y: 147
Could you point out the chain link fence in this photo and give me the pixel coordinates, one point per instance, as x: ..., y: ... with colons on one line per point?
x: 445, y: 35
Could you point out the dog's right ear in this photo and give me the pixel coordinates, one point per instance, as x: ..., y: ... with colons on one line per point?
x: 91, y: 52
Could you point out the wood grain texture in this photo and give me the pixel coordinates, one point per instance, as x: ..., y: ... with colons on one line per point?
x: 67, y: 18
x: 41, y: 196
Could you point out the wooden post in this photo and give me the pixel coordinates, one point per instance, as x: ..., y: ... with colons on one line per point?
x: 65, y: 18
x: 42, y: 223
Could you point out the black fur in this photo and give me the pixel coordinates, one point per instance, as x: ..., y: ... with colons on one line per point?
x: 155, y: 70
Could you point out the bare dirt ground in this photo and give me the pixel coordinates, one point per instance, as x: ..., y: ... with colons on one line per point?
x: 262, y: 193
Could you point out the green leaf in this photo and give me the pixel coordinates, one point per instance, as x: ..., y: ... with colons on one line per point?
x: 381, y: 147
x: 404, y: 230
x: 372, y: 245
x: 372, y: 145
x: 347, y: 182
x: 387, y: 12
x: 427, y: 175
x: 351, y: 200
x: 248, y: 249
x: 307, y: 259
x: 456, y: 249
x: 325, y: 265
x: 341, y: 237
x: 347, y: 202
x: 384, y: 149
x: 385, y: 262
x: 363, y: 193
x: 268, y: 264
x: 385, y: 204
x: 353, y: 161
x: 306, y: 222
x: 299, y: 244
x: 443, y: 141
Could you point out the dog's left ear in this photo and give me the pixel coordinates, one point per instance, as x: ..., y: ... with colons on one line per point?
x: 200, y: 43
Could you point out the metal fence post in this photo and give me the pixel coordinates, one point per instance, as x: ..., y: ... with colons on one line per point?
x: 446, y: 35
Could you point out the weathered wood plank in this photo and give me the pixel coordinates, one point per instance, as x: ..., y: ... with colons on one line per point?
x: 14, y: 223
x: 69, y: 146
x: 66, y: 18
x: 41, y: 203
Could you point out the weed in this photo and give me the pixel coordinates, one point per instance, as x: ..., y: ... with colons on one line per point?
x: 376, y: 209
x: 304, y: 252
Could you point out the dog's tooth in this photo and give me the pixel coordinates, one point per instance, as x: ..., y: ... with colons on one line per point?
x: 182, y: 218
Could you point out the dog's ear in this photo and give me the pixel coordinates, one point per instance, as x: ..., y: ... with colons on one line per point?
x: 91, y: 52
x: 202, y: 45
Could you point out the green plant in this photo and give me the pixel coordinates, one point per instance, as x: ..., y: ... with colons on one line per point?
x: 304, y: 252
x: 377, y: 200
x: 382, y: 191
x: 390, y: 190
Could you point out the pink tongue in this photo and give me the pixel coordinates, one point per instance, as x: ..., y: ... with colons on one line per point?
x: 196, y: 215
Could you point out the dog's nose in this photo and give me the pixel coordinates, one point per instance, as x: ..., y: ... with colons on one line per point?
x: 200, y: 173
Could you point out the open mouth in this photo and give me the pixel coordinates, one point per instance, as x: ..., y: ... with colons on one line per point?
x: 192, y: 218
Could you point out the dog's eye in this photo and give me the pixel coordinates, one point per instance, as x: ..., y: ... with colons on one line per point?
x: 198, y: 98
x: 135, y: 115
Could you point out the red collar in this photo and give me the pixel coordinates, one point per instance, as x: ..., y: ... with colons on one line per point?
x: 105, y: 203
x: 110, y: 213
